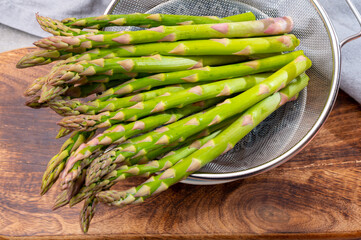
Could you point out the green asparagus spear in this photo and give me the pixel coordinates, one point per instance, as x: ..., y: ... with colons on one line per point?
x: 269, y: 26
x: 42, y: 57
x: 162, y: 103
x: 139, y: 146
x: 57, y: 28
x: 224, y: 46
x: 222, y: 143
x: 206, y: 74
x: 87, y: 212
x: 49, y: 92
x: 151, y: 20
x: 64, y: 197
x: 250, y: 47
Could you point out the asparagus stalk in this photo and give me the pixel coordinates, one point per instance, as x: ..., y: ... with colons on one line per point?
x: 42, y: 57
x: 119, y: 133
x: 49, y: 92
x: 72, y: 73
x: 145, y: 169
x: 64, y: 197
x: 162, y: 103
x: 139, y: 146
x: 87, y: 212
x: 67, y: 107
x: 250, y: 47
x: 150, y: 20
x: 58, y: 162
x: 224, y: 46
x: 206, y: 74
x: 269, y: 26
x: 57, y: 28
x: 222, y: 143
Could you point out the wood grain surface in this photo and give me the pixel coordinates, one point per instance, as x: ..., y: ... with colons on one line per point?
x: 315, y: 195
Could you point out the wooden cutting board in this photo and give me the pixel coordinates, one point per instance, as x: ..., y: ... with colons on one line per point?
x: 317, y: 194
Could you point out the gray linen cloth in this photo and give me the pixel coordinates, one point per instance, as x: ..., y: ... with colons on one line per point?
x: 346, y: 25
x: 20, y: 14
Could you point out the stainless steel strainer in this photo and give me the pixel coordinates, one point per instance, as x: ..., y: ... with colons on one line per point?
x: 288, y: 130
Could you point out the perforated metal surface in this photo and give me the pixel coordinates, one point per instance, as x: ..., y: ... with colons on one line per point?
x: 286, y: 131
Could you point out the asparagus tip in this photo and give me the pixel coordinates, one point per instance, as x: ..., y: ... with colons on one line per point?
x: 61, y: 200
x: 63, y: 132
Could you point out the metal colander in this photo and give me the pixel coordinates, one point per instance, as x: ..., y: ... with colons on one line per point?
x: 290, y: 128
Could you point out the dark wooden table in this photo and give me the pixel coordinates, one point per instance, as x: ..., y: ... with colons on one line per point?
x: 317, y: 194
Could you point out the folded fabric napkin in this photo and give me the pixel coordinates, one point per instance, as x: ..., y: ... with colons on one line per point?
x: 346, y: 25
x: 20, y: 14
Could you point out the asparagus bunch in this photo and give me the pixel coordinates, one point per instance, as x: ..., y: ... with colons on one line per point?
x: 120, y: 133
x: 58, y: 28
x: 139, y: 146
x: 72, y: 187
x: 170, y: 98
x: 222, y: 143
x: 146, y: 168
